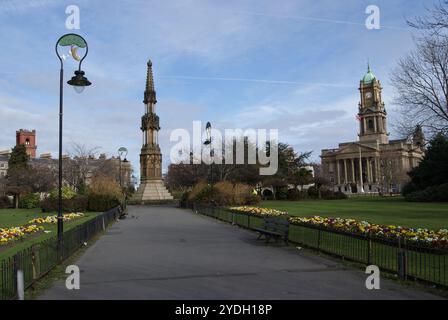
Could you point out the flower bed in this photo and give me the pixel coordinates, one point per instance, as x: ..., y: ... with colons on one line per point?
x: 54, y: 218
x: 420, y: 236
x: 259, y: 211
x: 15, y: 233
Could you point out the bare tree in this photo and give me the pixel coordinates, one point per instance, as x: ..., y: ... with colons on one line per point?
x: 436, y: 22
x: 77, y: 168
x: 391, y: 175
x: 421, y: 84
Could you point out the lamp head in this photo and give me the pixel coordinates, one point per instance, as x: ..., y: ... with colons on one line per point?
x: 123, y: 151
x: 79, y: 82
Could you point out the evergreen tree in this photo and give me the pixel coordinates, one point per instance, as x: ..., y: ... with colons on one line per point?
x: 19, y: 158
x: 433, y: 169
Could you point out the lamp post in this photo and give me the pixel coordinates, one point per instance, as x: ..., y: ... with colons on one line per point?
x: 208, y: 141
x: 79, y: 82
x: 123, y: 152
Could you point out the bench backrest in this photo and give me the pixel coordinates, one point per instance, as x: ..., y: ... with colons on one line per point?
x: 276, y: 224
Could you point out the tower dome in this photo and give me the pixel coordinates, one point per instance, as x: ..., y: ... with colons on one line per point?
x: 369, y: 77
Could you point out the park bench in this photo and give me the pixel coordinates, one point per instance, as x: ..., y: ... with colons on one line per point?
x: 273, y: 228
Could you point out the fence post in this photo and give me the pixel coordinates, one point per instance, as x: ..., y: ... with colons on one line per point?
x: 15, y: 269
x: 318, y: 238
x: 369, y: 249
x: 401, y: 260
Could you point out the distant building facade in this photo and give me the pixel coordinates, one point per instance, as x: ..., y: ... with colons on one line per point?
x: 373, y: 164
x: 91, y: 164
x: 3, y: 165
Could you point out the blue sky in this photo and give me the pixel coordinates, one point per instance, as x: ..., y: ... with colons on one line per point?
x: 288, y: 65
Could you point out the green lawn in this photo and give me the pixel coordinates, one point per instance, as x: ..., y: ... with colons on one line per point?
x: 19, y: 217
x: 395, y: 211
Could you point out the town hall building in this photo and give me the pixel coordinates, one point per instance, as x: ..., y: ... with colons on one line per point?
x: 373, y: 164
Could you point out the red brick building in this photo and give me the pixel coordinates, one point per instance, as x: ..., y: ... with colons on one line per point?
x: 27, y: 138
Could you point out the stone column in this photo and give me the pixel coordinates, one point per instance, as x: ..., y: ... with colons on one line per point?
x: 337, y: 172
x: 369, y: 180
x: 377, y: 173
x: 353, y: 170
x: 361, y: 182
x: 364, y: 125
x: 375, y: 125
x: 345, y: 171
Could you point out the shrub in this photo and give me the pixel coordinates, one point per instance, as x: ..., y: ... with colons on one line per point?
x: 105, y: 185
x: 409, y: 188
x: 281, y: 194
x: 267, y: 195
x: 223, y: 194
x: 338, y: 195
x: 433, y: 193
x: 76, y: 204
x: 29, y: 201
x: 252, y: 199
x: 313, y: 192
x: 197, y: 188
x: 67, y: 193
x: 5, y: 202
x: 101, y: 203
x: 185, y: 196
x: 293, y: 194
x: 241, y: 194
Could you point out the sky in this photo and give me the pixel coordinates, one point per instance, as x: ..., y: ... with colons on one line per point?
x: 289, y: 65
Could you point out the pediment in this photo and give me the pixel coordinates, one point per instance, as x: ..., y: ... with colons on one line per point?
x: 354, y: 148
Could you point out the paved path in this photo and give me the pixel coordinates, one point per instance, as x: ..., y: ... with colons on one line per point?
x: 170, y: 253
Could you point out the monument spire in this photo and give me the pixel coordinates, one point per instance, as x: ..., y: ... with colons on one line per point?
x: 150, y: 92
x: 151, y: 186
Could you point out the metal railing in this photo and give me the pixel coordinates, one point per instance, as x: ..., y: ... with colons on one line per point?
x: 37, y: 260
x: 408, y: 261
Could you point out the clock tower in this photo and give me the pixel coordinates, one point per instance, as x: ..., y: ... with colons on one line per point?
x: 372, y: 113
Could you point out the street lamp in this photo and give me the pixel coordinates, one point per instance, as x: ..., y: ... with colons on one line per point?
x: 79, y: 82
x: 208, y: 141
x: 122, y: 151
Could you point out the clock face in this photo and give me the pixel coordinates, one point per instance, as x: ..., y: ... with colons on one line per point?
x: 368, y: 95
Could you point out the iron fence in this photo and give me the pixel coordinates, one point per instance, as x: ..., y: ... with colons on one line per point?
x: 408, y: 261
x: 37, y: 260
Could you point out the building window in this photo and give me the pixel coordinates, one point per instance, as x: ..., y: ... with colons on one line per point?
x: 370, y: 124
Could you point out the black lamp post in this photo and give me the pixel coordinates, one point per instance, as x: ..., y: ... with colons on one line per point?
x: 123, y: 152
x: 79, y: 82
x: 208, y: 141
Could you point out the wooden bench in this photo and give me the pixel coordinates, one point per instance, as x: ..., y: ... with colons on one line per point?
x: 273, y: 228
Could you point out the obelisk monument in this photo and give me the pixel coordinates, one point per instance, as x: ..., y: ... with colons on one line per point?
x: 151, y: 186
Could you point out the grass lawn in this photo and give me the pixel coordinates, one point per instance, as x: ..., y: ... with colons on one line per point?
x: 395, y: 211
x: 19, y: 217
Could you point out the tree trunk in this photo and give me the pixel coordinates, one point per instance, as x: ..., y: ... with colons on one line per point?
x: 16, y: 201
